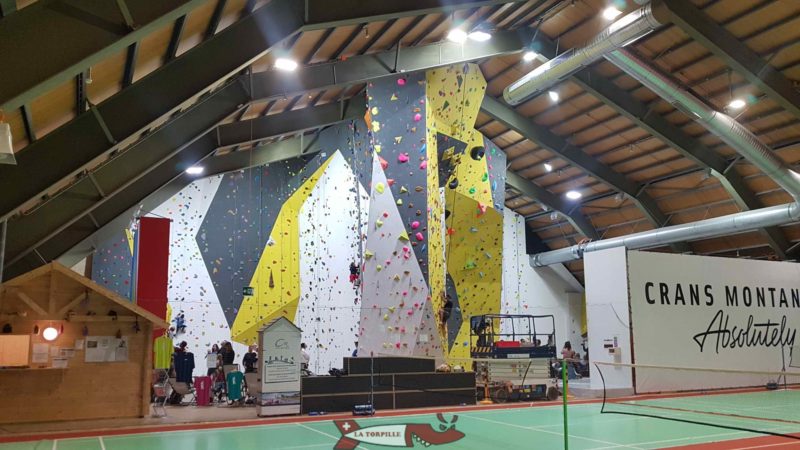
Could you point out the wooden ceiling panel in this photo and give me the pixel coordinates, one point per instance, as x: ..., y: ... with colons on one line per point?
x: 417, y: 32
x: 231, y: 13
x: 53, y: 109
x: 766, y: 21
x: 731, y: 242
x: 195, y: 26
x: 106, y: 78
x: 151, y: 51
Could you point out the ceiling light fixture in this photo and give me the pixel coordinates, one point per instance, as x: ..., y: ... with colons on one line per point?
x: 529, y: 56
x: 50, y: 334
x: 457, y: 35
x: 573, y: 195
x: 547, y: 166
x: 285, y: 64
x: 611, y: 13
x: 479, y: 36
x: 737, y: 104
x: 194, y: 170
x: 553, y: 95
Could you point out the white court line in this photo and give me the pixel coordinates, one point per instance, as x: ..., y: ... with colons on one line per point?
x: 763, y: 446
x: 102, y: 443
x: 295, y: 447
x: 55, y: 444
x: 612, y: 444
x: 326, y: 434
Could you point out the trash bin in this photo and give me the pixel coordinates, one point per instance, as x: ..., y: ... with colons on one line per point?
x: 202, y: 390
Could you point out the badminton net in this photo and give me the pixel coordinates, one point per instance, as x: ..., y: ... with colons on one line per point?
x: 745, y: 400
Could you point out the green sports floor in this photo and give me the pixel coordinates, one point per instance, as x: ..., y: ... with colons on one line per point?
x: 498, y: 428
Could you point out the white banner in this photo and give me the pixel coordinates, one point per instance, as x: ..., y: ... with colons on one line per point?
x: 280, y: 368
x: 704, y: 312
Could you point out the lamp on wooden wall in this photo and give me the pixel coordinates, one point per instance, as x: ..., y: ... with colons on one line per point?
x: 50, y: 333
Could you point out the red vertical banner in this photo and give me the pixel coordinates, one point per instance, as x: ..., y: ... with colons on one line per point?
x: 151, y: 268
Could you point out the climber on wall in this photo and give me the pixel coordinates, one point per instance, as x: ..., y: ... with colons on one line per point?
x: 354, y: 274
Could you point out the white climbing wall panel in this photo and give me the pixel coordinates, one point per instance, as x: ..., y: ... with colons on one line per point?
x: 329, y: 241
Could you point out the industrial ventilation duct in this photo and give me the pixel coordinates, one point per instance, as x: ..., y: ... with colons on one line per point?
x: 619, y: 34
x: 609, y: 45
x: 731, y: 224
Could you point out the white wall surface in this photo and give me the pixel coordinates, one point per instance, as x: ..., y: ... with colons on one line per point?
x: 607, y: 315
x: 710, y: 332
x: 536, y: 291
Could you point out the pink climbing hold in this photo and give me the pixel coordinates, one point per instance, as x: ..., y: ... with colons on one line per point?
x: 385, y: 214
x: 401, y: 81
x: 423, y: 165
x: 405, y: 294
x: 410, y: 312
x: 384, y: 163
x: 397, y: 344
x: 419, y: 236
x: 405, y: 247
x: 414, y: 225
x: 417, y: 117
x: 402, y: 157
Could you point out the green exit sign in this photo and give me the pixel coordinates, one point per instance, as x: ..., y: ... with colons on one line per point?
x: 247, y: 291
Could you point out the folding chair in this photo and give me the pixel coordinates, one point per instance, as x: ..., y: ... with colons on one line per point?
x: 161, y: 393
x: 181, y: 388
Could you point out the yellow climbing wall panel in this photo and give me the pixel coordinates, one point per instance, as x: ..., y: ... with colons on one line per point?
x: 454, y: 95
x: 474, y: 261
x: 276, y: 281
x: 473, y: 238
x: 473, y: 174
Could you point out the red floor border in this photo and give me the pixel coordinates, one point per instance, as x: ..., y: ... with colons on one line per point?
x: 746, y: 443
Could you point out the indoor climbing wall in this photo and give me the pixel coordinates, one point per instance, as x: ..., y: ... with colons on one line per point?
x: 435, y: 227
x: 112, y: 263
x: 192, y: 296
x: 471, y: 174
x: 289, y: 230
x: 397, y: 316
x: 328, y: 311
x: 537, y: 291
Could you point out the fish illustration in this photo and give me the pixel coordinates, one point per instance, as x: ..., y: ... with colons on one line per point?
x: 398, y: 435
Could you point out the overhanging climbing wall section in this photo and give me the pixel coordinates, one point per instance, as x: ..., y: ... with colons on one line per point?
x: 437, y: 188
x: 470, y: 171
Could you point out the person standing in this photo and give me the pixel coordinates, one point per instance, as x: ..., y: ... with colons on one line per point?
x: 306, y: 357
x: 250, y: 360
x: 226, y: 353
x: 212, y: 360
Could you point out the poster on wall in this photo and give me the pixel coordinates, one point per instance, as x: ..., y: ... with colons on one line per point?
x: 106, y: 349
x: 279, y: 357
x: 710, y: 313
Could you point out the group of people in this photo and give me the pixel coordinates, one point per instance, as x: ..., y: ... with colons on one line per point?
x: 576, y: 366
